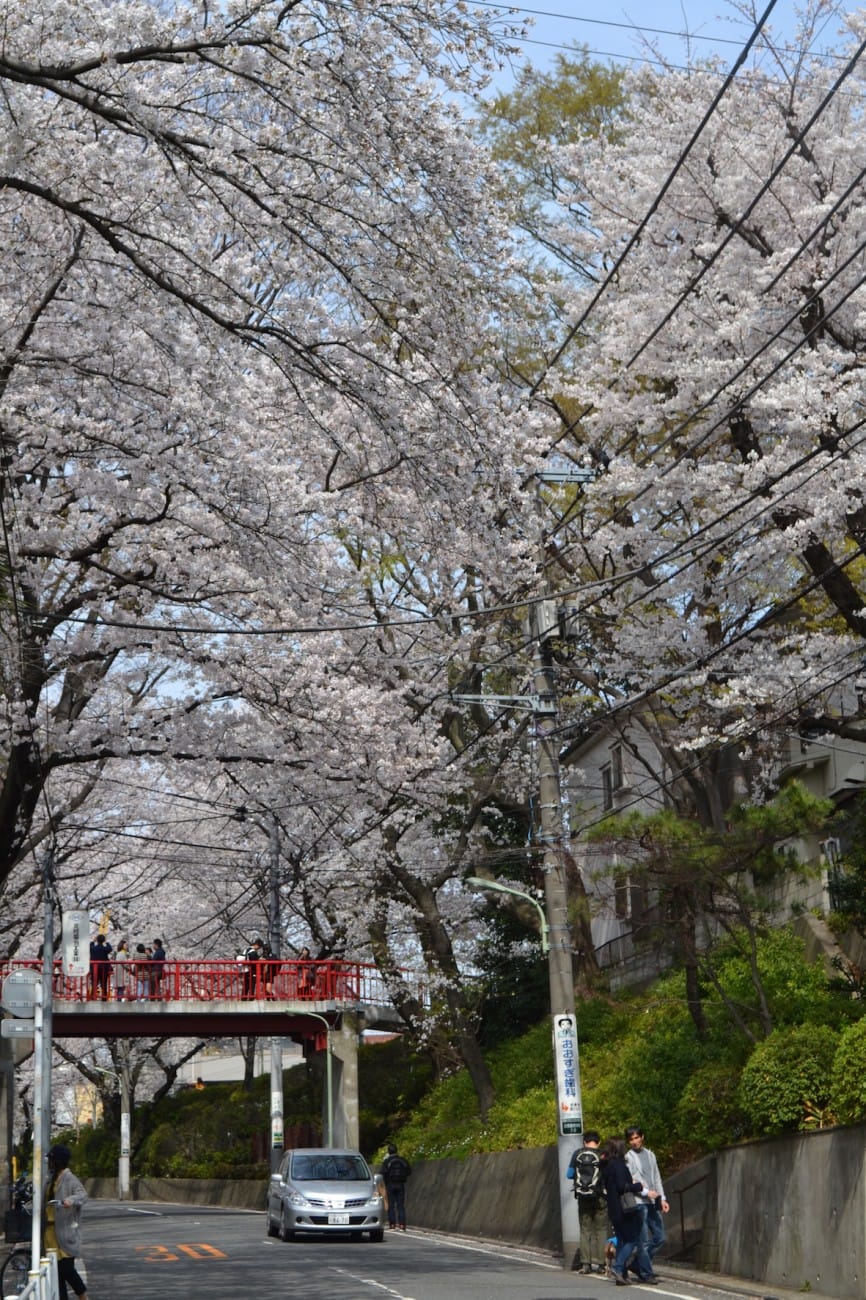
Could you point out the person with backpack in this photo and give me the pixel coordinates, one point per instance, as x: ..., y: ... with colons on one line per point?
x: 396, y: 1170
x: 585, y: 1172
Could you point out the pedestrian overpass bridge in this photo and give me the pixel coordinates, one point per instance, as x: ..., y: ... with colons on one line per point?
x: 203, y: 998
x: 215, y: 999
x: 324, y: 1005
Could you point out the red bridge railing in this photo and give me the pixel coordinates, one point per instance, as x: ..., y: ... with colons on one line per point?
x: 271, y: 979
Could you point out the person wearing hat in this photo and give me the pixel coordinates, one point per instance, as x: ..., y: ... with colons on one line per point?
x: 64, y: 1197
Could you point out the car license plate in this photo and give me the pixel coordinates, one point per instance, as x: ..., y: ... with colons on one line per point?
x: 338, y: 1218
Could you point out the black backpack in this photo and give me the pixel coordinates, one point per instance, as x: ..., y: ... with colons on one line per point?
x: 587, y: 1174
x: 396, y: 1169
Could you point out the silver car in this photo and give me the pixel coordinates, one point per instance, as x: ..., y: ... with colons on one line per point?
x: 320, y: 1190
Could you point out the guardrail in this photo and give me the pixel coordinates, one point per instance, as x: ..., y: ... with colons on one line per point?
x: 270, y: 979
x: 42, y: 1284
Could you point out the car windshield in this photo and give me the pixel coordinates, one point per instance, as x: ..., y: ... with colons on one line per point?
x: 329, y: 1168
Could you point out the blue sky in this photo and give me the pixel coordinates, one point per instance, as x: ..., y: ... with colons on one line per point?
x: 618, y: 30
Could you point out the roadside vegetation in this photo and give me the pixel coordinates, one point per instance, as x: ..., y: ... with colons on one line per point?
x: 642, y: 1060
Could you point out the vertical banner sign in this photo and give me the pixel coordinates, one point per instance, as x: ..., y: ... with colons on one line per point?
x: 124, y: 1133
x: 567, y: 1074
x: 277, y: 1120
x: 76, y: 943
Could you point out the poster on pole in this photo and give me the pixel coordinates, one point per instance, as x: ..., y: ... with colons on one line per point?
x: 568, y: 1102
x: 75, y: 943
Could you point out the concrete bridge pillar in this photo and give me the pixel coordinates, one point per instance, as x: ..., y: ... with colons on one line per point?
x: 344, y: 1051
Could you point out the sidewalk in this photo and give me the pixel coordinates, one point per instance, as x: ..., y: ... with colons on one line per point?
x: 670, y: 1272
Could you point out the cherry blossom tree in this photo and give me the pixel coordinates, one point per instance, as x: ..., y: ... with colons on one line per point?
x: 248, y: 270
x: 713, y: 365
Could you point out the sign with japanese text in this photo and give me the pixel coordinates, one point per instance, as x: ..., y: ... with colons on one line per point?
x: 75, y: 943
x: 568, y: 1100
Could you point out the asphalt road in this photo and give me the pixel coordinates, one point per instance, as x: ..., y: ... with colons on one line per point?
x: 135, y: 1250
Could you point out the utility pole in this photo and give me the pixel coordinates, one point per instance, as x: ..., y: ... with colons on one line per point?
x: 569, y: 1103
x: 274, y: 942
x: 560, y: 970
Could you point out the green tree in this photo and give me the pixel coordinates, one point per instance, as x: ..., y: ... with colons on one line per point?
x: 576, y: 98
x: 703, y: 880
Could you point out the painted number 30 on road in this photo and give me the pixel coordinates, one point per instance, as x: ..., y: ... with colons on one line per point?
x: 188, y: 1250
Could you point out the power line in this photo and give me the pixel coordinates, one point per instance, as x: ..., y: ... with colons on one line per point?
x: 636, y: 28
x: 654, y: 206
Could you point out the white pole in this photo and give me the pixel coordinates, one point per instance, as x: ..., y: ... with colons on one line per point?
x: 125, y: 1123
x: 38, y: 1145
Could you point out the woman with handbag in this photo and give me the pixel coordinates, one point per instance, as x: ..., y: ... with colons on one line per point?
x: 622, y: 1192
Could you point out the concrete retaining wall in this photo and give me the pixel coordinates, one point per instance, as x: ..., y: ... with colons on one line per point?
x: 787, y: 1212
x: 507, y: 1196
x: 791, y: 1212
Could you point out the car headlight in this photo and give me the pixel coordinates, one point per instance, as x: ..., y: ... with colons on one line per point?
x: 299, y: 1200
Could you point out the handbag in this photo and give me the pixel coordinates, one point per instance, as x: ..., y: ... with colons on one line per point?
x: 628, y: 1202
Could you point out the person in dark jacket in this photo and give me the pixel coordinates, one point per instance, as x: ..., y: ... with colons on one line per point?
x: 395, y: 1170
x: 618, y: 1179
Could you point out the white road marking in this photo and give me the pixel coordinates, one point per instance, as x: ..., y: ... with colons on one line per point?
x: 369, y: 1281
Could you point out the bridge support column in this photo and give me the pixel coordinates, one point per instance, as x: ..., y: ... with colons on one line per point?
x: 344, y: 1050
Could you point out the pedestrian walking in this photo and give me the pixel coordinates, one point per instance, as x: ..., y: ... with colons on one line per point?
x: 619, y: 1188
x: 644, y: 1167
x: 64, y: 1197
x: 396, y: 1170
x: 586, y: 1172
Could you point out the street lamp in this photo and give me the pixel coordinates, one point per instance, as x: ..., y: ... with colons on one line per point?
x: 478, y: 882
x: 329, y: 1080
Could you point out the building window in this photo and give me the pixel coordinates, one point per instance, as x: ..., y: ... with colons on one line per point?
x: 607, y: 786
x: 617, y: 778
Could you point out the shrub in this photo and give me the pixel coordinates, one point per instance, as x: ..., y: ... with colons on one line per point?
x: 709, y: 1112
x: 787, y: 1075
x: 848, y: 1079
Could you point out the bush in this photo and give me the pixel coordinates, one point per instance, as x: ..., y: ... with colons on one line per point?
x: 709, y: 1110
x: 848, y: 1079
x: 787, y: 1077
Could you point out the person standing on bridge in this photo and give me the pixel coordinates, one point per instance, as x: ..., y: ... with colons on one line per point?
x: 141, y: 967
x: 121, y: 969
x: 100, y: 970
x: 157, y: 969
x: 64, y: 1197
x: 253, y: 968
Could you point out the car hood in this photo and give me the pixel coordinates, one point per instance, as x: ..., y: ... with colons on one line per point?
x: 336, y: 1189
